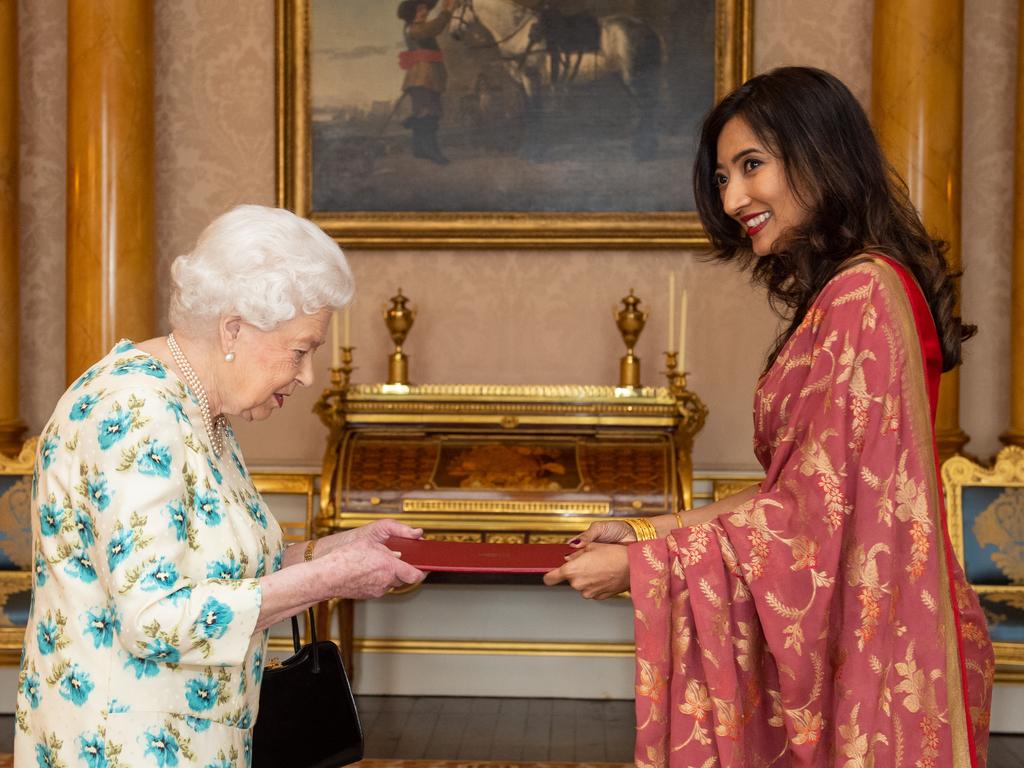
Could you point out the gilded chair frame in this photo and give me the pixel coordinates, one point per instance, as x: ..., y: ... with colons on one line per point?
x: 290, y: 483
x: 1007, y: 471
x: 11, y: 582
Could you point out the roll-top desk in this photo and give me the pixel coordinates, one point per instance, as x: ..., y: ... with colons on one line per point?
x: 503, y: 463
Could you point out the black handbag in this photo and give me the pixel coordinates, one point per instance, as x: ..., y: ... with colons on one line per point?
x: 307, y: 716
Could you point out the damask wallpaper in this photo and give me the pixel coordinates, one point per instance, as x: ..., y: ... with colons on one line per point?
x: 506, y: 316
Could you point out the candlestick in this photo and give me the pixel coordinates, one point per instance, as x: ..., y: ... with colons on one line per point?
x: 671, y: 311
x: 335, y: 345
x: 348, y: 326
x: 682, y: 331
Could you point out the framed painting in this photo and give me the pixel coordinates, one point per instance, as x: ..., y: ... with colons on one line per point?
x: 986, y: 528
x: 501, y: 123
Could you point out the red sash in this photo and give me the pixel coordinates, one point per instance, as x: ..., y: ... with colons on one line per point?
x: 409, y: 59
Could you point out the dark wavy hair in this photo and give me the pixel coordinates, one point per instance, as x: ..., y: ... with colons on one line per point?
x: 856, y: 202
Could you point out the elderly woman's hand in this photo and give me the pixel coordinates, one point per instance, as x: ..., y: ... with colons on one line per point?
x: 362, y: 569
x: 378, y: 531
x: 598, y: 571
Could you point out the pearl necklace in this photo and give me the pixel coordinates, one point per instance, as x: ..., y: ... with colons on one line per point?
x: 214, y: 427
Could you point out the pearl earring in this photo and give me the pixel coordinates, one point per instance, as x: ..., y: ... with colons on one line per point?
x: 229, y: 357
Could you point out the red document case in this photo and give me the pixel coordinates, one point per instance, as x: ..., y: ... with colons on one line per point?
x: 470, y: 557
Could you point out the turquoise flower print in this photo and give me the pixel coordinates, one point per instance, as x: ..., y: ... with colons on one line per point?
x: 50, y: 517
x: 228, y: 568
x: 83, y: 407
x: 96, y: 487
x: 119, y: 547
x: 174, y: 406
x: 202, y: 693
x: 278, y: 560
x: 30, y: 689
x: 76, y: 685
x: 162, y: 747
x: 123, y: 346
x: 149, y: 366
x: 141, y: 667
x: 46, y: 636
x: 46, y: 757
x: 257, y: 667
x: 48, y: 451
x: 40, y: 571
x: 214, y: 471
x: 35, y: 481
x: 114, y: 427
x: 155, y: 460
x: 79, y: 565
x: 101, y: 624
x: 214, y: 619
x: 85, y: 527
x: 244, y: 719
x: 178, y: 595
x: 160, y: 650
x: 256, y: 512
x: 86, y: 377
x: 161, y: 575
x: 179, y: 522
x: 247, y: 749
x: 197, y: 724
x: 239, y: 465
x: 117, y: 708
x: 208, y: 507
x: 261, y: 566
x: 92, y: 750
x: 222, y: 763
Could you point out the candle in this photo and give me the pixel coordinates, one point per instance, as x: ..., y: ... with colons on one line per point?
x: 682, y: 331
x: 671, y: 310
x: 335, y: 352
x: 348, y: 325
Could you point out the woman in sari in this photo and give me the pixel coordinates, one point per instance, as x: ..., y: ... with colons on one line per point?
x: 819, y: 618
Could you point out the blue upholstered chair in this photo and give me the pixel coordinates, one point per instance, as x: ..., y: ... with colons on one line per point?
x: 985, y: 508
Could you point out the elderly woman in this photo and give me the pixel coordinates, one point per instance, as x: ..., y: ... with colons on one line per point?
x: 158, y: 568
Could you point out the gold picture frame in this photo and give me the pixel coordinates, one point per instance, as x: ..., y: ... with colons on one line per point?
x: 960, y: 475
x: 407, y: 229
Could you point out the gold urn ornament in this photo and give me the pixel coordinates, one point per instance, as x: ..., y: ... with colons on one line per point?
x: 630, y: 321
x: 399, y: 319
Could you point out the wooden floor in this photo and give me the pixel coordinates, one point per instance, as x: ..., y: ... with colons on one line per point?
x: 521, y: 730
x: 530, y: 730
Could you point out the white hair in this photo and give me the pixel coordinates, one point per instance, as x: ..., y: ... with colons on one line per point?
x: 263, y: 264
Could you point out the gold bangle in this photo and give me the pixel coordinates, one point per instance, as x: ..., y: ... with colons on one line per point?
x: 308, y: 556
x: 642, y: 528
x: 678, y: 517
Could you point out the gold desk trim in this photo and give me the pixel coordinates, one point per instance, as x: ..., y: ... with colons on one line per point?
x: 475, y: 647
x: 513, y: 507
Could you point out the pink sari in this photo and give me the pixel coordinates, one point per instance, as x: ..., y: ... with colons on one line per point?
x: 824, y: 622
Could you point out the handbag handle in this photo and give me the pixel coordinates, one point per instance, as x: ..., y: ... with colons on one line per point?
x: 297, y: 641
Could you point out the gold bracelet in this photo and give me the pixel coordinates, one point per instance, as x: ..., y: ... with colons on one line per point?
x: 308, y: 557
x: 678, y: 517
x: 642, y: 528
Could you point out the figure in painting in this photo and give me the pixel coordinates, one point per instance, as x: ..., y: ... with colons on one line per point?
x: 425, y: 74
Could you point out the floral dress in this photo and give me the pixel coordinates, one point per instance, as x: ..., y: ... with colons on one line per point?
x: 140, y: 649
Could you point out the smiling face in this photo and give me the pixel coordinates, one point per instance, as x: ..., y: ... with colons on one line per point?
x: 269, y: 365
x: 754, y: 188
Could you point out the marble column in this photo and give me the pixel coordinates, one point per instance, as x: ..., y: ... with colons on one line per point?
x: 11, y: 426
x: 1014, y: 435
x: 110, y: 216
x: 916, y: 108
